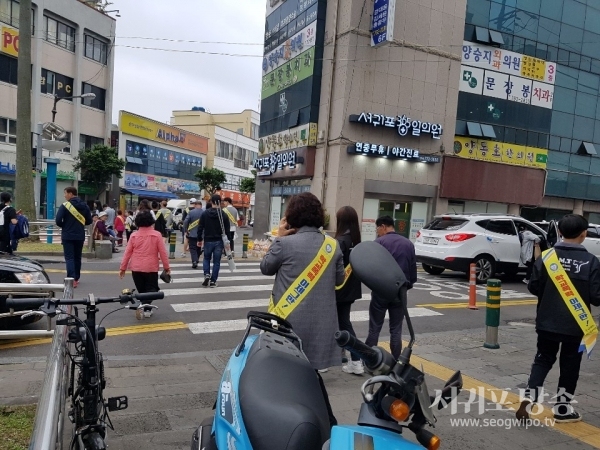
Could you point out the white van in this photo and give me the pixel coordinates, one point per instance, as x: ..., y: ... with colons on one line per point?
x: 177, y: 206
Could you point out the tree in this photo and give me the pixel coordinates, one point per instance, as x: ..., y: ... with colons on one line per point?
x: 248, y: 185
x: 98, y: 165
x: 210, y: 179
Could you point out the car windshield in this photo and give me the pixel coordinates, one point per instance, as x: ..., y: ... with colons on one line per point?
x: 446, y: 223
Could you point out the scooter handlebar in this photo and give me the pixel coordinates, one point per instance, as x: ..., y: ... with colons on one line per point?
x: 371, y: 356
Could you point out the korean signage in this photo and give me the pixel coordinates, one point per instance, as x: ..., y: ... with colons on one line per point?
x: 386, y: 151
x: 301, y: 41
x: 500, y: 152
x: 286, y: 191
x: 160, y: 184
x: 9, y: 41
x: 238, y: 198
x: 382, y: 22
x: 287, y: 164
x: 302, y: 136
x: 160, y: 155
x: 286, y: 21
x: 159, y: 132
x: 297, y: 69
x: 402, y: 123
x: 507, y: 87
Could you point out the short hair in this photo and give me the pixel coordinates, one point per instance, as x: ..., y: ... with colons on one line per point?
x: 215, y: 199
x: 94, y: 215
x: 119, y: 212
x: 386, y: 221
x: 163, y: 203
x: 305, y: 210
x: 154, y: 205
x: 105, y: 205
x: 144, y: 205
x: 130, y: 212
x: 572, y: 225
x: 208, y: 205
x: 71, y: 190
x: 144, y: 219
x: 5, y: 197
x: 228, y: 200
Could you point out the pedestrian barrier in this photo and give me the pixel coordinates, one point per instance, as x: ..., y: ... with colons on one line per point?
x: 245, y: 246
x: 473, y: 287
x: 492, y: 313
x: 172, y: 244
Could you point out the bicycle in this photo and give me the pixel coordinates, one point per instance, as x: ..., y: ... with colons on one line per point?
x: 89, y: 409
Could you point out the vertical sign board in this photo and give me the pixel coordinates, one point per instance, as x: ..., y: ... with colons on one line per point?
x: 382, y: 22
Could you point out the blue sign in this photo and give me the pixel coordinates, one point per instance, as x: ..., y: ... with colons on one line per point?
x: 382, y: 24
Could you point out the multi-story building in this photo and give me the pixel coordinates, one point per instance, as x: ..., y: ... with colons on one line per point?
x: 232, y: 147
x: 72, y: 54
x: 431, y: 107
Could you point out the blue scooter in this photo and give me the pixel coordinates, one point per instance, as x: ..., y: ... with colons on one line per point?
x: 270, y: 397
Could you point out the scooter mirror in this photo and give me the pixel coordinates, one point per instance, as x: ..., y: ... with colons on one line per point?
x: 451, y: 389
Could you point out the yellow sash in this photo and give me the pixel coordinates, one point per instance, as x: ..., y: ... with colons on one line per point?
x: 347, y: 273
x: 231, y: 218
x: 74, y: 212
x: 194, y: 224
x: 307, y: 279
x: 572, y: 299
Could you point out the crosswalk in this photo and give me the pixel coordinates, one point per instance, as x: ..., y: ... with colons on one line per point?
x: 244, y: 290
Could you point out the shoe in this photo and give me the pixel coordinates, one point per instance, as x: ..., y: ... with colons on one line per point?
x: 206, y: 280
x: 571, y: 415
x: 523, y: 413
x: 148, y: 314
x: 139, y: 314
x: 194, y: 265
x: 354, y: 367
x: 75, y: 283
x: 322, y: 370
x: 213, y: 284
x: 525, y: 281
x: 183, y: 255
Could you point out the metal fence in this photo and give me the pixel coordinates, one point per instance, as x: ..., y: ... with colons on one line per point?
x: 47, y: 231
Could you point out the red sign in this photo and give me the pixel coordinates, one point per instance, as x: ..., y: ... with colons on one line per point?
x: 239, y: 200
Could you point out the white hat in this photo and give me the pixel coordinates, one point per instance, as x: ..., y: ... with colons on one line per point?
x: 102, y: 214
x: 192, y: 201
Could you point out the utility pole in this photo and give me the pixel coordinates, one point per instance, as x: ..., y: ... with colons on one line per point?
x: 24, y: 179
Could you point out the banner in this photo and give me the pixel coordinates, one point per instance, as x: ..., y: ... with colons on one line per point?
x: 297, y: 69
x: 9, y: 41
x: 500, y: 152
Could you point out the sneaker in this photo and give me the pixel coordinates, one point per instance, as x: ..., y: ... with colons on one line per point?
x: 183, y: 255
x: 525, y: 281
x: 323, y: 370
x: 570, y: 415
x: 75, y: 283
x: 354, y: 367
x: 148, y: 313
x: 213, y: 284
x: 523, y: 413
x: 194, y: 265
x: 206, y: 279
x: 139, y: 314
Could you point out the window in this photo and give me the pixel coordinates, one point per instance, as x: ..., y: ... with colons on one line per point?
x: 8, y: 130
x: 86, y: 141
x: 224, y: 150
x: 99, y: 102
x: 59, y: 33
x: 501, y: 227
x: 95, y: 49
x: 592, y: 232
x: 56, y: 84
x: 254, y: 131
x: 8, y: 69
x: 446, y: 223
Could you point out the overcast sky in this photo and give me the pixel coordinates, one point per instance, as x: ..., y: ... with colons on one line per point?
x: 152, y: 83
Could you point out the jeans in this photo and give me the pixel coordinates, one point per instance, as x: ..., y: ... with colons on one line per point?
x: 569, y: 362
x: 72, y: 251
x: 344, y: 324
x: 377, y: 309
x: 214, y: 250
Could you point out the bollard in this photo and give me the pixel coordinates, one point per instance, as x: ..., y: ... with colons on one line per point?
x: 172, y: 243
x: 245, y: 246
x: 492, y: 313
x: 473, y: 287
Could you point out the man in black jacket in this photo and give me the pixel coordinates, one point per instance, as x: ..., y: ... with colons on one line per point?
x: 555, y: 324
x: 72, y: 217
x: 212, y: 225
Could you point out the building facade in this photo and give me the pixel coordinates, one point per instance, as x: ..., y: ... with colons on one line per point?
x: 232, y: 148
x: 433, y: 107
x: 161, y: 160
x: 72, y: 54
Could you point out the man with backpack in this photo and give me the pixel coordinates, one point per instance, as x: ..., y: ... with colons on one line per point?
x: 72, y: 217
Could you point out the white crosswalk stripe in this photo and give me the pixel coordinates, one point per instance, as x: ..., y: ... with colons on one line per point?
x: 238, y: 292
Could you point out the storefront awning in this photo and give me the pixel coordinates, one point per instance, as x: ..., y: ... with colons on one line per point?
x: 147, y: 193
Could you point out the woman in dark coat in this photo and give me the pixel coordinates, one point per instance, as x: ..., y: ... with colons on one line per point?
x: 348, y: 236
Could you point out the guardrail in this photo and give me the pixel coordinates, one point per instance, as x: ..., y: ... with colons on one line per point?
x: 47, y: 230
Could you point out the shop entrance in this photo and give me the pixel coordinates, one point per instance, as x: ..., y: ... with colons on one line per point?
x: 400, y: 212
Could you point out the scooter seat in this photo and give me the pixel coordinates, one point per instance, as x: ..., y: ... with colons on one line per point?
x: 281, y: 400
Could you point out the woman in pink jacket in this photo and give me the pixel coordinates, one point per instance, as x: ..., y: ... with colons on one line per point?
x: 143, y: 251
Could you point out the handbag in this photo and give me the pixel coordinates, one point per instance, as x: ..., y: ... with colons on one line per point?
x: 230, y: 261
x: 166, y: 277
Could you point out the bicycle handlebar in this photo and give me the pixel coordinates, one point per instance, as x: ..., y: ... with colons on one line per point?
x: 34, y: 303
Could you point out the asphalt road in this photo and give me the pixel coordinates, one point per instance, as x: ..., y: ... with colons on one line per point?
x: 193, y: 318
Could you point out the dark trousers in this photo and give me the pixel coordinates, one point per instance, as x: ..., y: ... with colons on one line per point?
x: 377, y: 309
x: 145, y: 282
x: 332, y: 420
x: 230, y: 236
x: 344, y: 324
x: 569, y: 363
x: 128, y: 234
x: 214, y: 250
x: 72, y: 251
x: 529, y: 266
x: 194, y: 249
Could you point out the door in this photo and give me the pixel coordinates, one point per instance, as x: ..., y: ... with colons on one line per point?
x: 552, y: 237
x: 592, y: 240
x: 503, y: 240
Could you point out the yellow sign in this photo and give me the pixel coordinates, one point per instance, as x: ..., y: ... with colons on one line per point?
x: 533, y: 68
x: 9, y: 41
x: 500, y: 152
x: 160, y: 132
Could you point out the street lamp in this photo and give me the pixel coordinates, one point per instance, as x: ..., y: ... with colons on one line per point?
x: 89, y: 95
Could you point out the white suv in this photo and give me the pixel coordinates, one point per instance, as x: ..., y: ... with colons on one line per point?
x: 591, y: 242
x: 491, y: 241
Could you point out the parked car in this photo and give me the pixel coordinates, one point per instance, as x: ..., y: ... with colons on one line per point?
x: 177, y: 207
x: 491, y: 241
x: 591, y: 242
x: 17, y: 269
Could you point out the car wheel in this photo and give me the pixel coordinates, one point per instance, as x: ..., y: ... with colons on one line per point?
x: 432, y: 270
x: 485, y: 268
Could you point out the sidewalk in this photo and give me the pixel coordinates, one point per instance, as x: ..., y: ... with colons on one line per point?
x: 170, y: 394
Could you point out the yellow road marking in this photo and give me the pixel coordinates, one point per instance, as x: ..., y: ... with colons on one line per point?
x: 579, y: 430
x: 117, y: 331
x: 481, y: 304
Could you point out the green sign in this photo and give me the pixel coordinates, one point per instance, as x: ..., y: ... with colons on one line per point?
x: 296, y: 69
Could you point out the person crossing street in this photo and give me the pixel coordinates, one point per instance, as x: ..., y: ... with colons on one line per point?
x: 232, y: 214
x: 212, y: 225
x: 191, y: 230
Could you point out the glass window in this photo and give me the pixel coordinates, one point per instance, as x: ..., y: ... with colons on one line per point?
x: 89, y: 46
x: 60, y: 34
x: 5, y: 11
x: 502, y: 18
x: 556, y: 183
x: 530, y: 47
x: 592, y: 18
x: 571, y: 38
x: 541, y: 51
x: 554, y: 143
x: 558, y: 161
x: 548, y: 31
x: 552, y: 53
x: 564, y: 99
x: 579, y: 163
x: 518, y: 44
x: 502, y: 227
x: 8, y: 69
x: 573, y: 12
x: 583, y: 129
x: 586, y: 105
x: 526, y: 24
x: 99, y: 102
x: 510, y: 135
x: 566, y: 77
x: 532, y: 6
x: 8, y: 130
x: 552, y: 9
x: 521, y: 137
x: 478, y: 12
x: 532, y: 138
x: 562, y: 124
x: 592, y: 232
x: 595, y: 66
x: 586, y: 63
x: 565, y: 145
x: 51, y: 30
x: 574, y: 60
x: 577, y: 185
x: 590, y: 45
